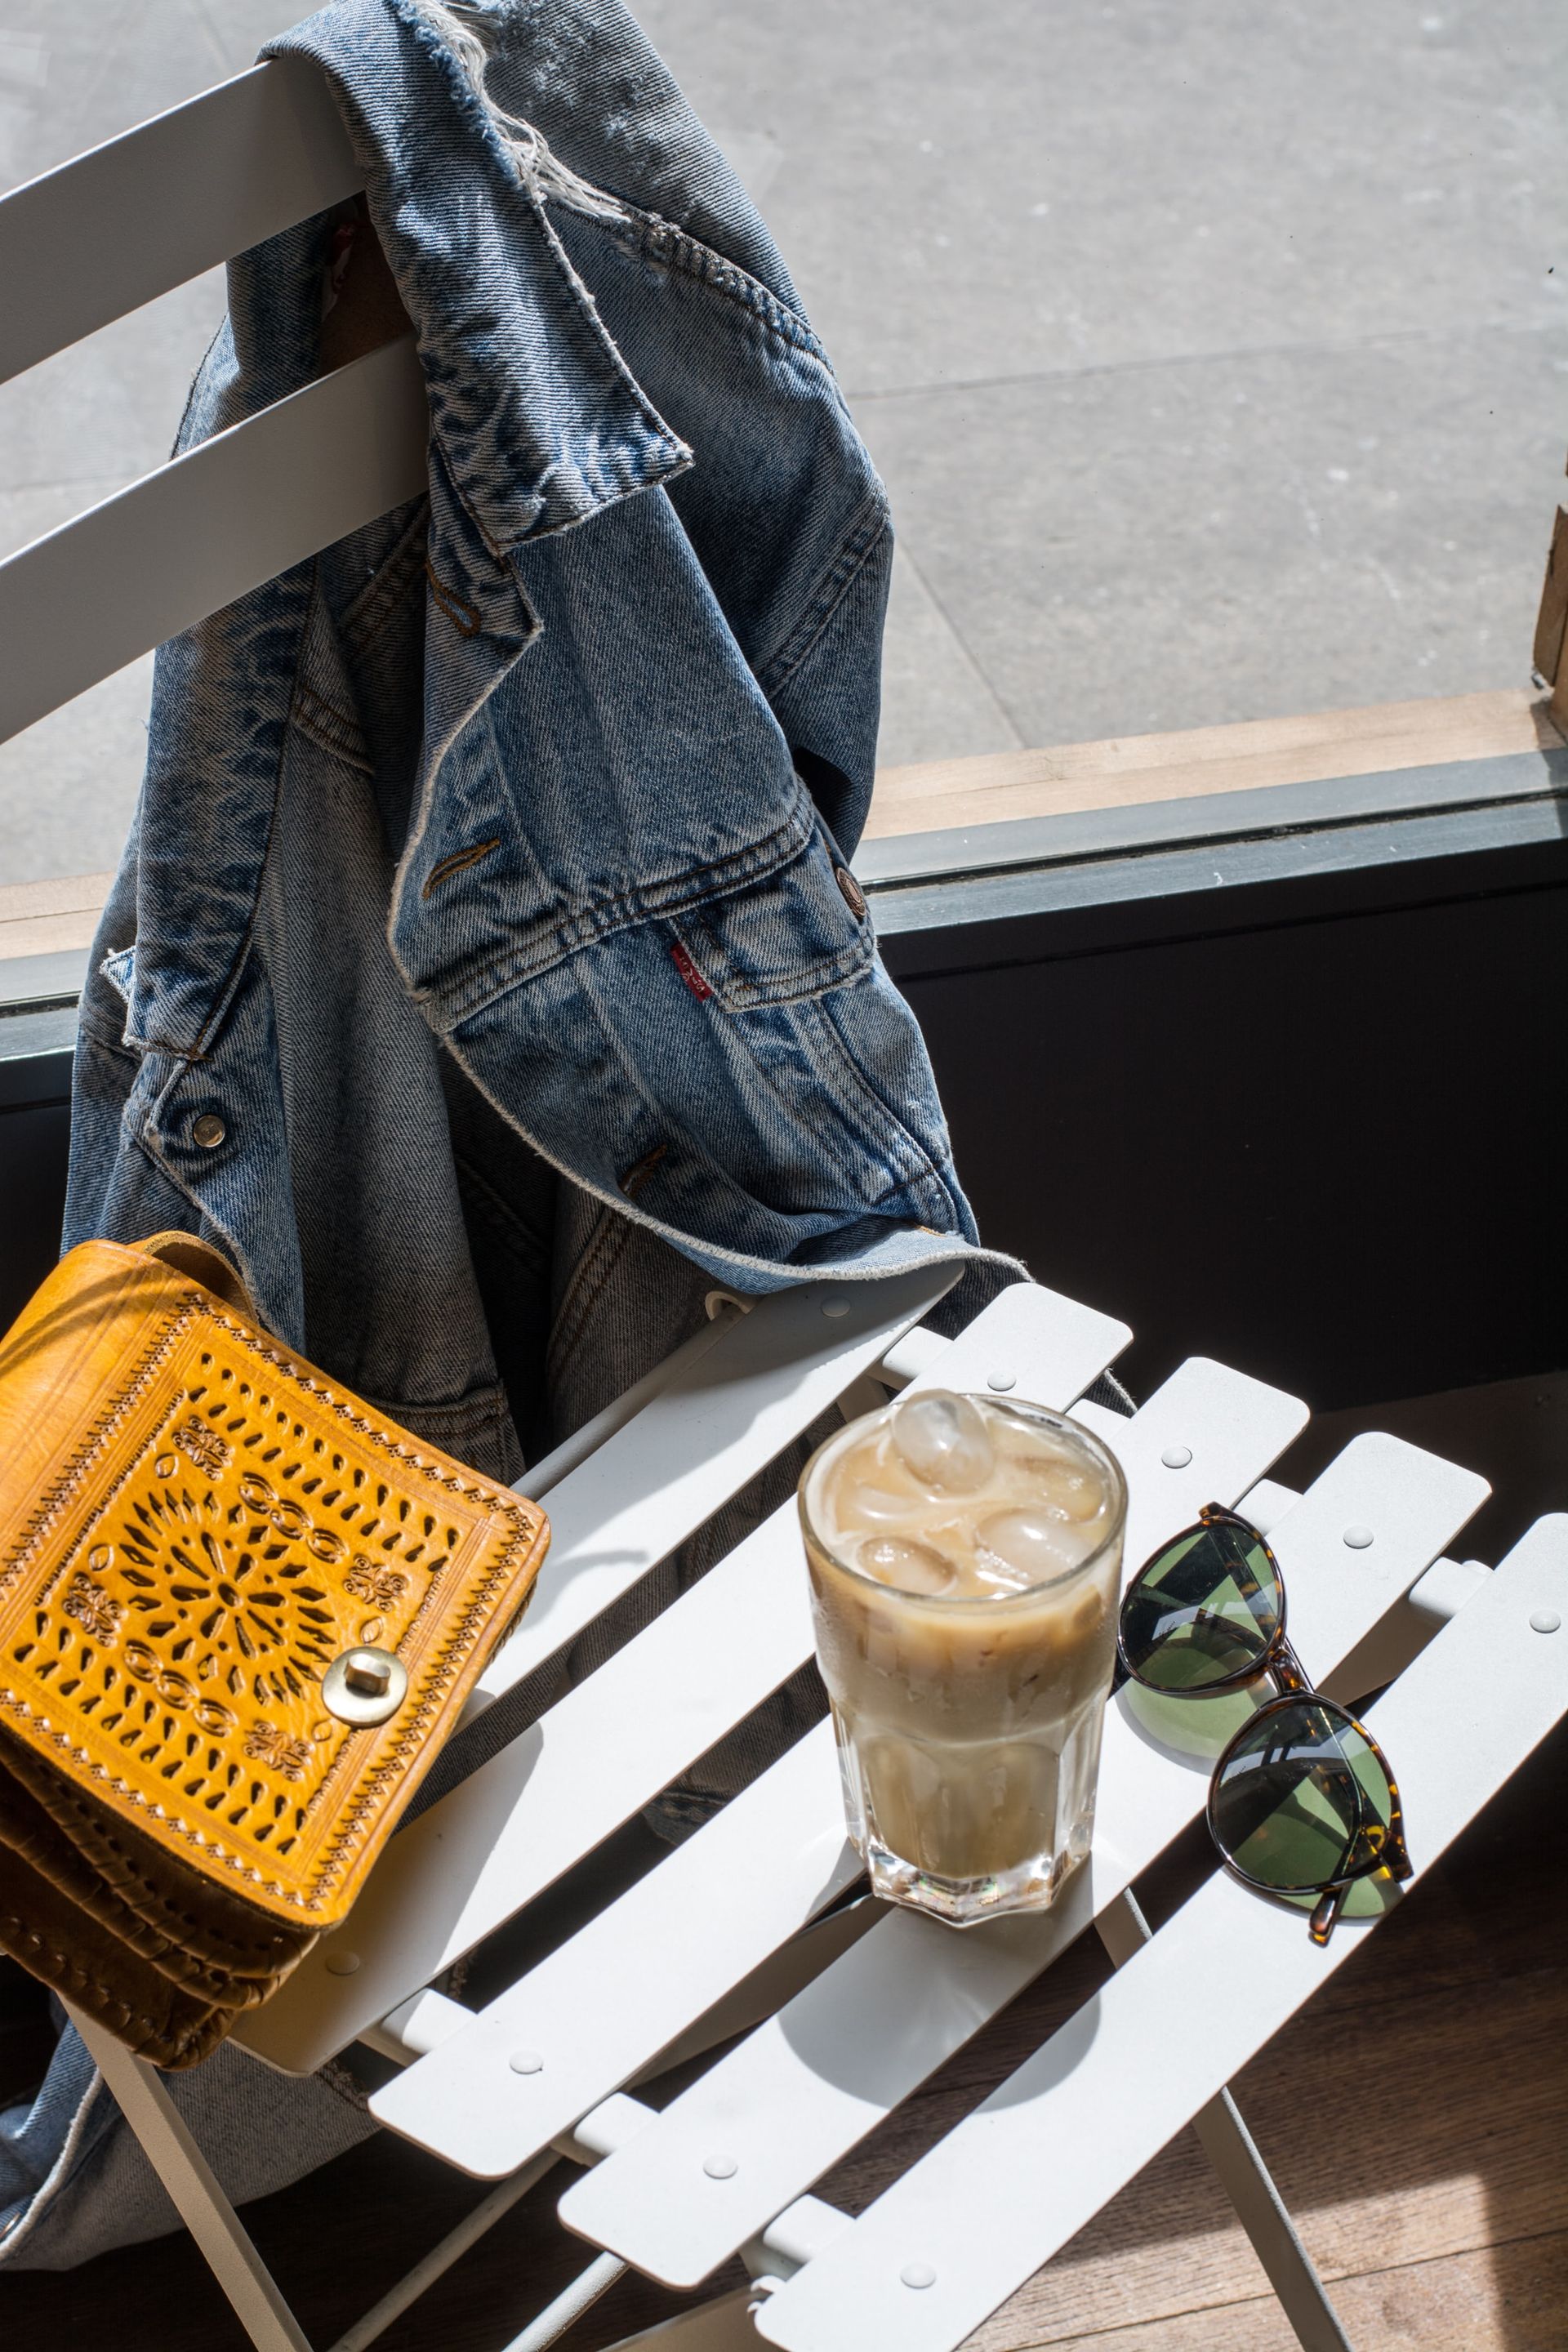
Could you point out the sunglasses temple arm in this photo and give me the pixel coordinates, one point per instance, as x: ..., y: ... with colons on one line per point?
x: 1329, y: 1906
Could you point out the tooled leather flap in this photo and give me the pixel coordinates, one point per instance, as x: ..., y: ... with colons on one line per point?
x: 194, y: 1524
x: 187, y: 1253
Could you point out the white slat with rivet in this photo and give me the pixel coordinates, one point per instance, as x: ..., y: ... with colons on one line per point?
x: 211, y: 525
x: 481, y: 1852
x: 716, y: 1423
x: 604, y: 2005
x: 926, y: 2263
x: 655, y: 1960
x: 806, y: 2086
x: 116, y: 227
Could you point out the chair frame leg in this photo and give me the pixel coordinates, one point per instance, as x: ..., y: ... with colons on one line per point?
x: 195, y: 2191
x: 1246, y: 2178
x: 723, y: 2325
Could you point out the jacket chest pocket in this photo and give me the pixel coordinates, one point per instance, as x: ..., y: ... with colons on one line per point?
x: 802, y: 931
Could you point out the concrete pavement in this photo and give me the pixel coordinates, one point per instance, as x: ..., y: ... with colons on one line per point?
x: 1216, y: 357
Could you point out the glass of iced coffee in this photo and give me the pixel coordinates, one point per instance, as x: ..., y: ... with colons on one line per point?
x: 965, y: 1557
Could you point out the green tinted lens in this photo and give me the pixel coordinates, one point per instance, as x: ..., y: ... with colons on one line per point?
x: 1204, y: 1611
x: 1302, y: 1800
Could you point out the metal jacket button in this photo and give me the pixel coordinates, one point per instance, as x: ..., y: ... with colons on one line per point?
x: 209, y: 1131
x: 853, y: 895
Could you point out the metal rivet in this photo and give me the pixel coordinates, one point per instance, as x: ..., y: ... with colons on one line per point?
x: 918, y: 2274
x: 341, y: 1964
x: 720, y: 2168
x: 1358, y: 1537
x: 1545, y: 1621
x: 526, y: 2061
x: 1176, y: 1457
x: 1001, y: 1380
x: 834, y: 1308
x: 850, y: 892
x: 209, y: 1131
x: 364, y: 1685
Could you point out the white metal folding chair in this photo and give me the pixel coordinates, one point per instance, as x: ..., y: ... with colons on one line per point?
x: 752, y: 1927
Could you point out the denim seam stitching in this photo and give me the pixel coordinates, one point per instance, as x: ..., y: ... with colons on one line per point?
x: 953, y: 1244
x: 370, y: 610
x: 88, y: 1026
x: 833, y: 586
x: 914, y: 1162
x: 331, y: 729
x: 617, y: 1240
x: 474, y: 106
x: 567, y: 1320
x: 737, y: 995
x: 572, y: 1315
x: 220, y: 1001
x: 664, y: 242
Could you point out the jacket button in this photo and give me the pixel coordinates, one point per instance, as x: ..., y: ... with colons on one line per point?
x: 209, y: 1131
x: 853, y: 895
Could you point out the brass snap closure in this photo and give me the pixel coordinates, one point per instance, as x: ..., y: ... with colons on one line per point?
x: 363, y: 1686
x: 209, y: 1131
x: 850, y: 892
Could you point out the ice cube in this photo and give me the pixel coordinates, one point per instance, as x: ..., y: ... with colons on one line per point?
x: 907, y: 1566
x: 1066, y: 1492
x: 875, y: 1507
x: 872, y: 1489
x: 945, y: 1441
x: 1020, y: 1548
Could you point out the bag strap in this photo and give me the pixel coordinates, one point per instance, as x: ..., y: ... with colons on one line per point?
x: 203, y: 1264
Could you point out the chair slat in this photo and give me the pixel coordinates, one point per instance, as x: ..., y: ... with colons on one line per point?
x: 508, y: 1832
x: 464, y: 2120
x: 720, y: 1419
x: 793, y: 2098
x: 143, y: 213
x: 1024, y: 2171
x: 187, y: 540
x: 637, y: 1975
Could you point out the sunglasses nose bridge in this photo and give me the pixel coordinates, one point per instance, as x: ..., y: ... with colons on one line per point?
x: 1284, y: 1669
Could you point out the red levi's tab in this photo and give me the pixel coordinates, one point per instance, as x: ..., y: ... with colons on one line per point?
x: 689, y: 972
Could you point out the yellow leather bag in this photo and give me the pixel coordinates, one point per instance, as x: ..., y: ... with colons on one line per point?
x: 238, y: 1610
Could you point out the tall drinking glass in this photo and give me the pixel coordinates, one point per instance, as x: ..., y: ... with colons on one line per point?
x: 965, y: 1559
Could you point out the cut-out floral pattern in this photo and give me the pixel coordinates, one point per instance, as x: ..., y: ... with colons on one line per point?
x: 370, y: 1579
x: 220, y: 1586
x: 96, y: 1611
x: 205, y: 1447
x: 266, y: 1744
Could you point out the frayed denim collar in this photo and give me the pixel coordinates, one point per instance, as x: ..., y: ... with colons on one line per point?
x: 540, y: 423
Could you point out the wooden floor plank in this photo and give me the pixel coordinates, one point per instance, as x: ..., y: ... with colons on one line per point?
x: 1404, y: 2135
x: 1511, y: 2298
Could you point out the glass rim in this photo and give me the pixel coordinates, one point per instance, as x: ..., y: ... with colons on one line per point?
x: 1021, y: 1408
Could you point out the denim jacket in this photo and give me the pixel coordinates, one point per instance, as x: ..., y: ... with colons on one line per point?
x: 504, y: 845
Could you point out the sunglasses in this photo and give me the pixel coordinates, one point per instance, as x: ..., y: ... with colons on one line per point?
x: 1302, y: 1800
